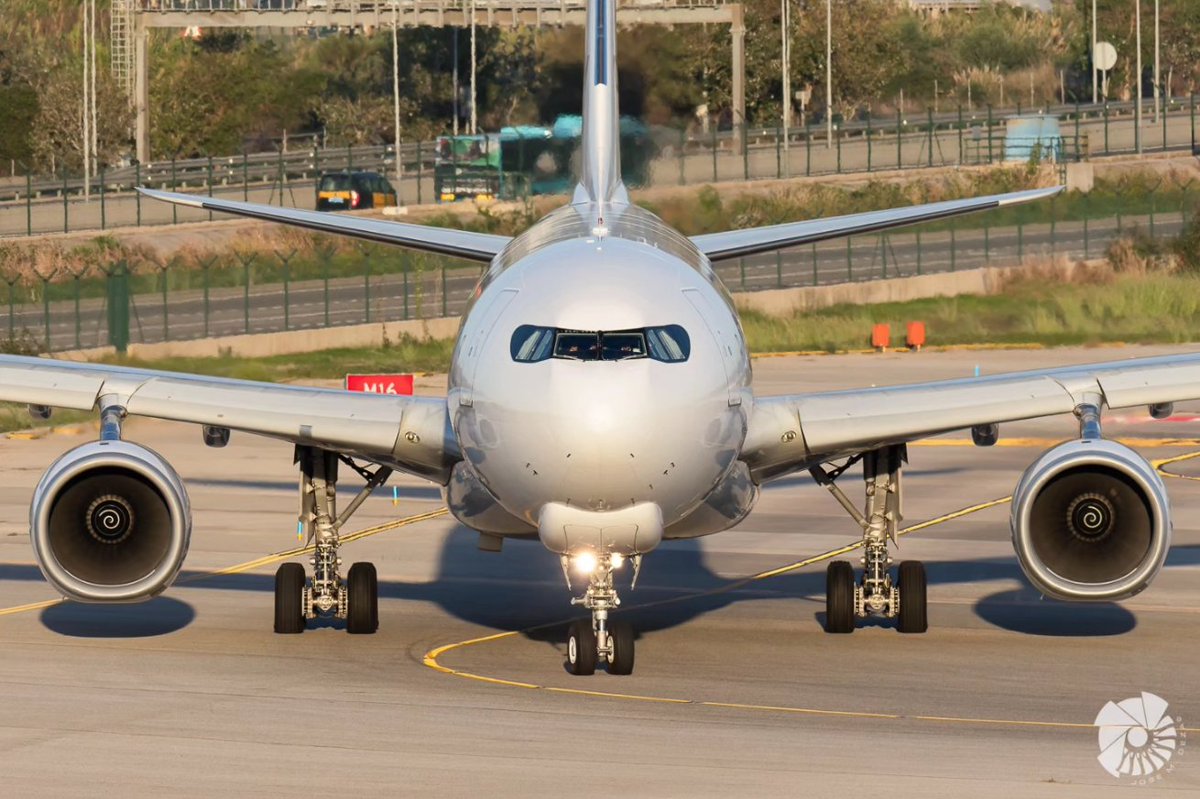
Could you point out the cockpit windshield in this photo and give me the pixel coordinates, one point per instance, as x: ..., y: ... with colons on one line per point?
x: 668, y: 343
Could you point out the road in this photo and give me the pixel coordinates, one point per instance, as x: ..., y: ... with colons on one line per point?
x: 736, y: 691
x: 308, y: 304
x: 695, y: 163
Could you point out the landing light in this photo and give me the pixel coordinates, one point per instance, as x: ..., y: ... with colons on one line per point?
x: 584, y: 563
x: 617, y: 560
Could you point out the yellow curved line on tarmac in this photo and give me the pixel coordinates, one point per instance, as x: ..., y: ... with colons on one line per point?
x: 276, y: 557
x: 432, y: 657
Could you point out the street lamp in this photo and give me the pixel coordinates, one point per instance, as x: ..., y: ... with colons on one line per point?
x: 786, y: 51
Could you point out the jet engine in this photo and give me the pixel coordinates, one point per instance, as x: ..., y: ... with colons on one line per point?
x: 110, y: 522
x: 1091, y: 521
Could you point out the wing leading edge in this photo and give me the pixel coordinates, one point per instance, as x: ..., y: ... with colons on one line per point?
x: 791, y: 432
x: 738, y: 243
x: 409, y: 433
x: 481, y: 247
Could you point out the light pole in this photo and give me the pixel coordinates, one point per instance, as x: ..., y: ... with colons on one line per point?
x: 1157, y: 76
x: 828, y: 73
x: 472, y: 67
x: 396, y: 96
x: 786, y: 56
x: 1095, y: 72
x: 1137, y: 82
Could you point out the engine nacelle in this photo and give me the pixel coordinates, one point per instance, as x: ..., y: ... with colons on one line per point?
x: 110, y: 522
x: 1091, y: 521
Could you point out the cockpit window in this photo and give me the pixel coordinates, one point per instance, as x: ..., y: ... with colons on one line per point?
x: 531, y: 343
x: 669, y: 344
x: 577, y: 346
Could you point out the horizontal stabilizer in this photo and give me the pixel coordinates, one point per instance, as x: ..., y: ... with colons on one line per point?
x: 737, y: 243
x: 443, y: 241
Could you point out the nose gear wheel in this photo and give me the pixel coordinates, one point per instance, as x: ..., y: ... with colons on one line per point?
x: 600, y: 641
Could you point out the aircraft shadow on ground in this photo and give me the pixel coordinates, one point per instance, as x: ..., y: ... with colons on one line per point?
x: 522, y: 588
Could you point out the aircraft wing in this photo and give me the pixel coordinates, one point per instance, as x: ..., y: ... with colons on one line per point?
x: 409, y: 433
x: 426, y: 238
x: 796, y: 431
x: 737, y: 243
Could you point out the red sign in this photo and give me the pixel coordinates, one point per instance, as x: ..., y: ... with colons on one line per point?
x: 380, y: 384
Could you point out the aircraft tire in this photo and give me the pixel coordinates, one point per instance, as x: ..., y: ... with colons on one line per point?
x: 621, y: 636
x: 839, y: 597
x: 362, y: 602
x: 581, y: 647
x: 913, y: 617
x: 289, y: 592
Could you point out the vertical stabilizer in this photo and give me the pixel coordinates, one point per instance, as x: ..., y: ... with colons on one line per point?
x: 600, y: 180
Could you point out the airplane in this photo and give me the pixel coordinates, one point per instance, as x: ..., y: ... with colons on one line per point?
x: 600, y: 401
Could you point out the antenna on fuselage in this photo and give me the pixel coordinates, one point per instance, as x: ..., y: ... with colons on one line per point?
x: 600, y: 181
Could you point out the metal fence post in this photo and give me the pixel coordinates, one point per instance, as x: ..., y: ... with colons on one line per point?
x: 779, y: 152
x: 989, y: 132
x: 714, y: 151
x: 1087, y: 201
x: 66, y: 227
x: 285, y: 263
x: 118, y: 307
x: 162, y: 271
x: 899, y: 138
x: 366, y: 258
x: 76, y: 276
x: 745, y: 139
x: 245, y: 176
x: 814, y: 263
x: 327, y: 253
x: 1106, y: 127
x: 174, y: 187
x: 953, y: 249
x: 246, y: 262
x: 849, y: 267
x: 137, y: 195
x: 742, y: 273
x: 210, y: 184
x: 778, y: 269
x: 682, y: 145
x: 28, y: 203
x: 960, y: 134
x: 807, y: 150
x: 102, y: 219
x: 868, y: 140
x: 420, y: 172
x: 205, y: 265
x: 1192, y: 107
x: 918, y: 250
x: 838, y: 131
x: 929, y: 114
x: 407, y: 264
x: 444, y: 311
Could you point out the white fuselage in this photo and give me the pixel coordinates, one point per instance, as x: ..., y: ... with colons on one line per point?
x: 596, y: 453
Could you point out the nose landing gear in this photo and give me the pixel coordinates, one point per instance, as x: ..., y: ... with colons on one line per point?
x: 355, y: 599
x: 600, y: 641
x: 902, y: 598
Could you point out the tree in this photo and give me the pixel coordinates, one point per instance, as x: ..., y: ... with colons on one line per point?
x: 58, y: 143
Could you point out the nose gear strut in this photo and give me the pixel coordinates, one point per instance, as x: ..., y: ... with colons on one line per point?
x: 354, y: 599
x: 604, y: 640
x: 878, y: 593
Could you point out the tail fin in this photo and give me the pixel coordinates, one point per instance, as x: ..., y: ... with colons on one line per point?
x: 601, y: 178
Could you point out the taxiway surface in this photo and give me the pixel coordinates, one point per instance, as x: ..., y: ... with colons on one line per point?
x: 736, y: 692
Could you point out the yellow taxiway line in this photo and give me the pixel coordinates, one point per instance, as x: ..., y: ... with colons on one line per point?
x: 433, y: 656
x: 266, y: 560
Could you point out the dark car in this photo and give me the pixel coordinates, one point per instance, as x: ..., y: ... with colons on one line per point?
x: 351, y: 191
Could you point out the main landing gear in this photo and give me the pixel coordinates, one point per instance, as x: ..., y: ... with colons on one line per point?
x: 355, y: 599
x: 599, y: 640
x: 901, y: 598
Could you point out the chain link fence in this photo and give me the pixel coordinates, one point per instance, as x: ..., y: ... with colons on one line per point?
x: 32, y: 204
x: 100, y: 299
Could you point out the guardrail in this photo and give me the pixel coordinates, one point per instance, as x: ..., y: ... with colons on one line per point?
x: 39, y: 204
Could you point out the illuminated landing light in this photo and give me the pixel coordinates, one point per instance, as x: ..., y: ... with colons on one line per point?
x: 617, y: 560
x: 584, y: 563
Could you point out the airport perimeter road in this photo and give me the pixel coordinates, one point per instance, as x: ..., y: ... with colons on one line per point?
x: 308, y: 304
x: 736, y: 691
x: 695, y: 163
